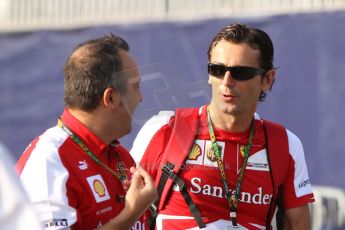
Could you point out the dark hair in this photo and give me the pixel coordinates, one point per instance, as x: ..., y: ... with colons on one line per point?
x: 91, y: 68
x: 255, y: 38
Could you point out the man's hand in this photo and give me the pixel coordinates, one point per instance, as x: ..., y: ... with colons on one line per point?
x: 140, y: 195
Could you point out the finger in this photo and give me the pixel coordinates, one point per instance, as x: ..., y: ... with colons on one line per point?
x: 137, y: 165
x: 146, y: 177
x: 126, y: 184
x: 132, y: 170
x: 136, y: 181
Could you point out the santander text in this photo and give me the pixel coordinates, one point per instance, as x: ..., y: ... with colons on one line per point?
x: 217, y: 191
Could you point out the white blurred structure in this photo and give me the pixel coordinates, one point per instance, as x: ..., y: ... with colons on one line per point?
x: 16, y: 212
x: 328, y: 210
x: 24, y: 15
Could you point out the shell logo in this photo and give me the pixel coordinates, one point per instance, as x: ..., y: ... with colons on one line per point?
x: 99, y: 188
x: 195, y: 152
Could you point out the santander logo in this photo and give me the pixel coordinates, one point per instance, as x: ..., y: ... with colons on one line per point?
x: 257, y: 197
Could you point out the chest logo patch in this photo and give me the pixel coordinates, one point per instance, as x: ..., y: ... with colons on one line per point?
x: 98, y: 188
x: 211, y: 154
x: 203, y: 154
x: 258, y: 161
x: 195, y: 152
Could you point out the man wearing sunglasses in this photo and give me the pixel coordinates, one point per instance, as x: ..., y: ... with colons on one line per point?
x: 235, y: 170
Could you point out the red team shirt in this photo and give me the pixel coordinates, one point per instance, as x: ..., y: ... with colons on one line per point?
x: 67, y: 188
x: 203, y: 180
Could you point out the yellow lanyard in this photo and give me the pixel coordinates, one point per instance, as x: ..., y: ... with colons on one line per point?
x: 234, y: 198
x: 121, y: 176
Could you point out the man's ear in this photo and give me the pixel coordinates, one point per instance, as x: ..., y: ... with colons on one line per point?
x: 111, y: 98
x: 268, y: 80
x: 209, y: 80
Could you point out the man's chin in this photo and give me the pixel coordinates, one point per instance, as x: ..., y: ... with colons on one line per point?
x: 128, y: 131
x: 228, y: 109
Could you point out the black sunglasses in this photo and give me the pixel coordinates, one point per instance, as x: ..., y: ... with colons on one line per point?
x: 240, y: 73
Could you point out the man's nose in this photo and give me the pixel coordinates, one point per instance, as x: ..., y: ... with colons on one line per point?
x: 228, y: 80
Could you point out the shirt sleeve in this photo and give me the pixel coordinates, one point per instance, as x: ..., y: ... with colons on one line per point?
x: 297, y: 190
x: 150, y: 143
x: 44, y: 178
x: 147, y: 133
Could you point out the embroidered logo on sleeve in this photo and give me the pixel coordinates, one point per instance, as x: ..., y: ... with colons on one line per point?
x: 99, y: 190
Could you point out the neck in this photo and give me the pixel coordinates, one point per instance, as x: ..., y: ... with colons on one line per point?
x: 95, y: 122
x: 229, y: 122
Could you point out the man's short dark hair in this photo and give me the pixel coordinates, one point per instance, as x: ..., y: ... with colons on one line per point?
x: 91, y: 68
x: 257, y: 39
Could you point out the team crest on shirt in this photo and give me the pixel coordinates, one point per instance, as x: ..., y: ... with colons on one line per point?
x: 98, y: 188
x: 242, y: 149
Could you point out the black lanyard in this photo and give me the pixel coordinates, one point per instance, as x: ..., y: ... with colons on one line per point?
x: 121, y: 176
x: 234, y: 198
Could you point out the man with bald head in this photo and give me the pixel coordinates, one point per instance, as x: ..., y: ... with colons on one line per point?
x: 77, y: 174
